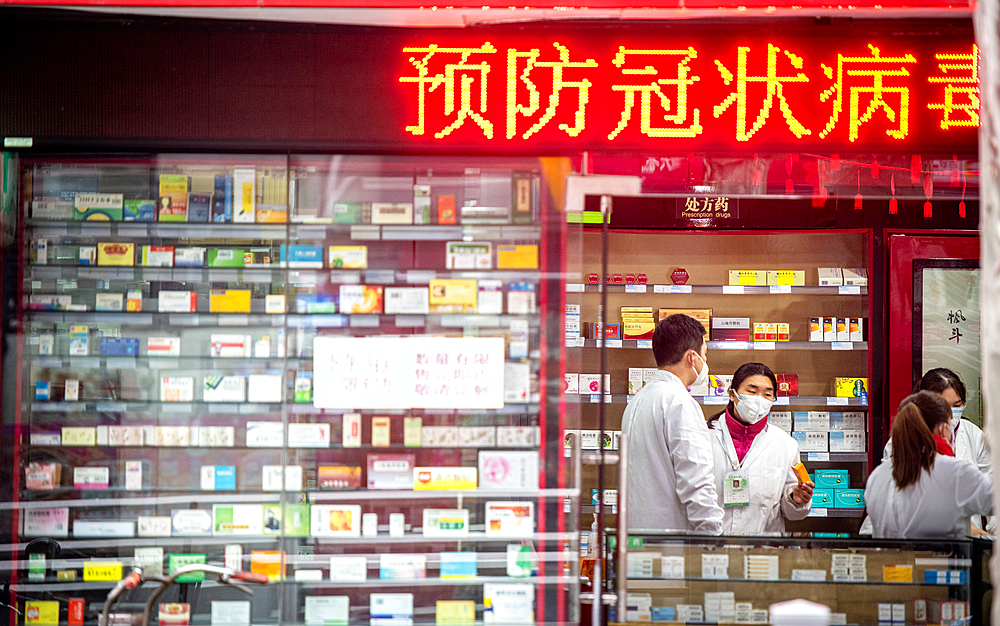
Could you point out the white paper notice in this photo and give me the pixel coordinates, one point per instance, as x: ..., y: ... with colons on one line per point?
x: 419, y: 372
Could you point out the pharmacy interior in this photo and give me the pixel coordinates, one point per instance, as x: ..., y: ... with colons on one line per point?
x: 294, y: 298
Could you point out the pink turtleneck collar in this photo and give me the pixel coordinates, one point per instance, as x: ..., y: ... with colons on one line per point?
x: 742, y: 434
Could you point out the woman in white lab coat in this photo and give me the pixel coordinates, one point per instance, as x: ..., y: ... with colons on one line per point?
x: 757, y: 487
x: 967, y: 439
x: 925, y: 492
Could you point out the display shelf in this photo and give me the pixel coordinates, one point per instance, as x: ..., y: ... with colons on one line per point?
x: 835, y: 457
x: 723, y: 400
x: 745, y: 290
x: 293, y: 231
x: 830, y: 512
x: 166, y: 362
x: 138, y: 407
x: 438, y: 494
x: 646, y: 344
x: 667, y: 583
x: 277, y: 320
x: 268, y: 274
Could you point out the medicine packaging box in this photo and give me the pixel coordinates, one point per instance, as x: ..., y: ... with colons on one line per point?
x: 590, y: 383
x: 781, y: 419
x: 796, y: 278
x: 849, y: 498
x: 748, y: 277
x: 702, y: 315
x: 829, y: 329
x: 811, y: 441
x: 830, y: 276
x: 847, y: 441
x: 572, y: 384
x: 850, y: 387
x: 831, y: 479
x: 823, y: 498
x: 730, y: 329
x: 855, y: 276
x: 848, y: 420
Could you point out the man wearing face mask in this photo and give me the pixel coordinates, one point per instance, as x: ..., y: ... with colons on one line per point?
x: 670, y: 483
x: 753, y: 461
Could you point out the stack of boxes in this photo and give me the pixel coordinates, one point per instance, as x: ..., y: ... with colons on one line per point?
x: 762, y: 278
x: 702, y: 315
x: 770, y: 331
x: 822, y: 431
x: 837, y: 328
x: 833, y: 490
x: 838, y: 277
x: 637, y: 322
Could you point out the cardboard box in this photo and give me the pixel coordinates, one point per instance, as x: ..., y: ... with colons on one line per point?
x: 847, y: 441
x: 781, y: 419
x: 796, y: 278
x: 855, y: 276
x: 815, y: 329
x: 850, y: 387
x: 830, y: 276
x: 823, y: 498
x: 759, y: 331
x: 829, y: 329
x: 730, y: 329
x: 849, y: 498
x: 784, y: 331
x: 590, y: 383
x: 572, y: 384
x: 811, y: 441
x: 638, y: 329
x: 831, y: 479
x: 453, y: 295
x: 851, y: 420
x: 788, y: 385
x: 856, y: 328
x: 747, y: 277
x: 702, y: 315
x: 812, y: 421
x: 116, y: 254
x: 634, y: 379
x: 770, y: 331
x: 843, y: 330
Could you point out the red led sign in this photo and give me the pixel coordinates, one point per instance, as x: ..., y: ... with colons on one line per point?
x: 629, y: 90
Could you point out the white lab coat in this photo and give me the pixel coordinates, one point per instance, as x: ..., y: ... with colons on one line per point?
x: 671, y: 485
x: 768, y: 468
x: 936, y: 506
x: 969, y: 446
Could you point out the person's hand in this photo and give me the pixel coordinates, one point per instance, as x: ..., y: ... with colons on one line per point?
x: 979, y: 532
x: 803, y: 493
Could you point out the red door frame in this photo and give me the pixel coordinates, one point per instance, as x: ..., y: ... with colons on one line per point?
x: 904, y: 246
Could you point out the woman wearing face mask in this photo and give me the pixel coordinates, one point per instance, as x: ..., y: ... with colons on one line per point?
x: 753, y: 461
x: 966, y: 438
x: 925, y: 492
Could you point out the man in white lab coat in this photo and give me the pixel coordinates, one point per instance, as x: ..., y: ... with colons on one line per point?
x: 671, y: 483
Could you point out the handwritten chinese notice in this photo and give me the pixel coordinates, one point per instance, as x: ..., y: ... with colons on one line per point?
x: 408, y: 373
x: 950, y: 328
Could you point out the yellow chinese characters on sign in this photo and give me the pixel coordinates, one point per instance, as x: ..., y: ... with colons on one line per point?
x: 964, y: 88
x: 679, y: 84
x: 465, y: 73
x: 534, y: 97
x: 775, y: 88
x: 877, y: 69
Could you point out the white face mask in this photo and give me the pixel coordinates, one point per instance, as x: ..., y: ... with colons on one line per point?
x: 753, y: 408
x: 956, y: 416
x: 702, y: 374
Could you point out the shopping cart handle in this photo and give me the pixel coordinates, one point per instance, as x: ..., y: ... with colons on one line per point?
x: 250, y: 577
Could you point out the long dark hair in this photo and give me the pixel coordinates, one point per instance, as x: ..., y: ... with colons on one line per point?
x: 941, y: 379
x: 742, y: 373
x: 913, y: 447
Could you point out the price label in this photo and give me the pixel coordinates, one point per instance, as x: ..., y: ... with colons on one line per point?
x: 733, y: 290
x: 709, y: 400
x: 818, y: 456
x: 836, y: 401
x: 781, y: 289
x: 595, y: 398
x: 781, y: 400
x: 614, y: 343
x: 671, y: 288
x: 763, y: 345
x: 731, y: 345
x: 574, y: 287
x: 102, y: 570
x: 842, y: 345
x: 644, y: 344
x: 570, y: 342
x: 635, y: 288
x: 817, y: 512
x: 849, y: 290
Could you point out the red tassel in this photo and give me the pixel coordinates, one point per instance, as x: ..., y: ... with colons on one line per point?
x: 875, y: 169
x: 961, y: 208
x: 756, y: 178
x: 928, y: 211
x: 857, y: 202
x: 788, y: 164
x: 954, y: 170
x: 893, y: 207
x: 820, y: 196
x: 915, y: 169
x: 834, y: 162
x: 789, y: 186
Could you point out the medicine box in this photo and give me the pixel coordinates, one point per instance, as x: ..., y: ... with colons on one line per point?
x: 823, y: 498
x: 855, y: 276
x: 781, y: 419
x: 572, y: 383
x: 702, y: 315
x: 634, y: 379
x: 856, y: 328
x: 847, y: 441
x: 850, y: 420
x: 815, y: 329
x: 812, y: 421
x: 829, y: 329
x: 850, y: 387
x: 731, y: 329
x: 849, y: 498
x: 590, y: 383
x: 796, y: 278
x: 830, y: 276
x: 945, y: 576
x: 843, y: 329
x: 831, y: 479
x: 811, y: 441
x: 747, y: 277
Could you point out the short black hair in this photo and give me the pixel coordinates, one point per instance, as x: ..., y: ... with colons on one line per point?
x: 674, y: 336
x: 941, y: 379
x: 747, y: 370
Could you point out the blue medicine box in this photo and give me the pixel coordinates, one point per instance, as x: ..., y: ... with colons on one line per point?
x: 945, y: 576
x: 831, y: 479
x: 849, y: 498
x: 119, y: 346
x: 823, y: 498
x: 302, y: 256
x: 662, y: 613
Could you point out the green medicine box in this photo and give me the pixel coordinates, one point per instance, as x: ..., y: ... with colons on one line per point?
x: 849, y: 499
x: 832, y: 479
x: 178, y: 561
x: 823, y: 498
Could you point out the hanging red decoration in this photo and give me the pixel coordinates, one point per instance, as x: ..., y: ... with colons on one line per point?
x: 875, y: 169
x: 928, y: 192
x: 756, y: 172
x: 857, y: 198
x: 893, y: 205
x: 954, y: 171
x: 834, y: 162
x: 915, y: 169
x: 789, y: 183
x: 961, y: 205
x: 820, y: 196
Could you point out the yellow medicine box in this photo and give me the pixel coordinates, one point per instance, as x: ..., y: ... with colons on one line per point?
x: 747, y: 277
x: 850, y: 387
x: 796, y: 278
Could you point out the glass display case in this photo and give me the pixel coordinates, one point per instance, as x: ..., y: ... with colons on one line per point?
x: 698, y: 579
x: 335, y: 371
